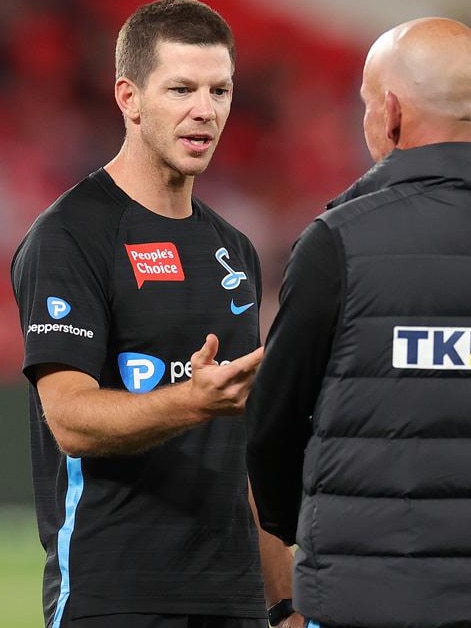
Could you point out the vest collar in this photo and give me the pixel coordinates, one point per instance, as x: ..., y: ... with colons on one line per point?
x: 448, y: 161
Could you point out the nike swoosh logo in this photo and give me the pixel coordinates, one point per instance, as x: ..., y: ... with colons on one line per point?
x: 239, y: 309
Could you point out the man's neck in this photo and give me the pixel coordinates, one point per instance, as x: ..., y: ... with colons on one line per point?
x: 161, y: 192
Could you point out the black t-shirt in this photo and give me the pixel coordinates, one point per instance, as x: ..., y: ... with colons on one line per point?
x: 126, y: 295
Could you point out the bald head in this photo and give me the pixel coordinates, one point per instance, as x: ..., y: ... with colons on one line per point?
x: 417, y: 76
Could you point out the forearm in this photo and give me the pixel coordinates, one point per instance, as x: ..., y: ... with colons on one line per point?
x: 277, y: 569
x: 277, y: 566
x: 98, y: 422
x: 277, y: 562
x: 87, y: 420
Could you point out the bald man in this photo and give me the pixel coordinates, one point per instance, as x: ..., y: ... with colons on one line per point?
x: 360, y: 416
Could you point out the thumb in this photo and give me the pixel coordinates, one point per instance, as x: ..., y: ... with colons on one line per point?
x: 208, y: 351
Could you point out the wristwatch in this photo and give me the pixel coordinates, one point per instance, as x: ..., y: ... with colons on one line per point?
x: 279, y: 611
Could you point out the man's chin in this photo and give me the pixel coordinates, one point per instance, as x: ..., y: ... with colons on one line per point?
x: 189, y: 167
x: 193, y: 170
x: 196, y: 163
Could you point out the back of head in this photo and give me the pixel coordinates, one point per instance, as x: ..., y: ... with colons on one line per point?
x: 426, y: 64
x: 179, y: 21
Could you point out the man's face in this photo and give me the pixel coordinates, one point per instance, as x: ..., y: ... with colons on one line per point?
x: 184, y: 106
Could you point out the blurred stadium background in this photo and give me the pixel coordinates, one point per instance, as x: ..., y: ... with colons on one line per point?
x: 294, y: 140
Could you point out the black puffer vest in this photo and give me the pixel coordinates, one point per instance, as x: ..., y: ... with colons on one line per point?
x: 385, y: 526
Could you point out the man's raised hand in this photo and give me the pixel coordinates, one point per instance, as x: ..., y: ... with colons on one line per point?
x: 222, y: 389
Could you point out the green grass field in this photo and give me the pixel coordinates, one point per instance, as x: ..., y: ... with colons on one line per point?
x: 21, y: 563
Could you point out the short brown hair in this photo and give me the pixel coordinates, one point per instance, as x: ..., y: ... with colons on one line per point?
x: 180, y: 21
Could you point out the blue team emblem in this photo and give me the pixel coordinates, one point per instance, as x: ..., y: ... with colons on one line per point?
x: 140, y: 372
x: 234, y: 277
x: 58, y: 308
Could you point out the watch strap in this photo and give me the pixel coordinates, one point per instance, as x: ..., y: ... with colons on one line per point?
x: 279, y: 611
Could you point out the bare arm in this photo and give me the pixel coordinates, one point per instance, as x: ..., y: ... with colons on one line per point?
x: 277, y: 568
x: 87, y: 420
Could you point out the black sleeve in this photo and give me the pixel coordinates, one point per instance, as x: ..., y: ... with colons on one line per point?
x: 61, y: 298
x: 282, y: 400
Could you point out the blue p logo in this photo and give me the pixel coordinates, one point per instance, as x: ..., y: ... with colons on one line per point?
x: 140, y: 372
x: 57, y: 307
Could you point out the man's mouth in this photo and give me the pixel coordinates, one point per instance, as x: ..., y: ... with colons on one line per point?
x: 198, y: 140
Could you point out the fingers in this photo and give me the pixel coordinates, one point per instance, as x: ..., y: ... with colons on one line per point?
x: 207, y: 353
x: 222, y: 389
x: 250, y: 361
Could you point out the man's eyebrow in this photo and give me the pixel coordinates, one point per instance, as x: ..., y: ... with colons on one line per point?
x: 183, y: 80
x: 180, y: 79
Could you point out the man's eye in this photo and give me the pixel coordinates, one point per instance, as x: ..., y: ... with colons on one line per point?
x: 220, y: 91
x: 179, y: 90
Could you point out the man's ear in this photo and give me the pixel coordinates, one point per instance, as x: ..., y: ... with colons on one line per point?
x: 127, y: 96
x: 392, y: 117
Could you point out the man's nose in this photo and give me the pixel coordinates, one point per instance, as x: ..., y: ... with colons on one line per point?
x: 203, y: 108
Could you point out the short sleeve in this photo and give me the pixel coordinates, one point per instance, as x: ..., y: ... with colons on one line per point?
x: 60, y: 283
